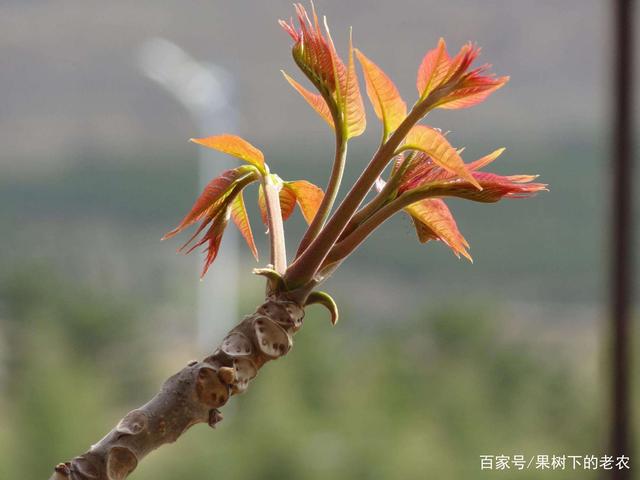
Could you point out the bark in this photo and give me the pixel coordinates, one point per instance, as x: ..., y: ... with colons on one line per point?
x: 191, y: 396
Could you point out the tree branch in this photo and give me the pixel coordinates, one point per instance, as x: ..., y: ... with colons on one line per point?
x: 191, y: 396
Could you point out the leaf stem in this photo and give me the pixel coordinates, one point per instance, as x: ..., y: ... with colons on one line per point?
x: 274, y: 221
x: 351, y: 241
x: 386, y: 194
x: 307, y: 264
x: 330, y: 195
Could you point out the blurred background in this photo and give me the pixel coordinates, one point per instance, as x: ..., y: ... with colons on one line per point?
x: 435, y: 362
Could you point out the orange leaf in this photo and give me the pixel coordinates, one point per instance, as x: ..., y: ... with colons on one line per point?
x: 347, y: 92
x: 355, y: 119
x: 433, y: 221
x: 486, y: 160
x: 211, y: 199
x: 287, y: 203
x: 235, y: 146
x: 309, y: 197
x: 315, y: 100
x: 262, y: 205
x: 434, y: 144
x: 433, y: 70
x: 241, y: 219
x: 384, y: 96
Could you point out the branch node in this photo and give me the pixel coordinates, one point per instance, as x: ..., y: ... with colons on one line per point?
x: 215, y: 417
x: 210, y: 389
x: 227, y: 375
x: 63, y: 469
x: 133, y: 423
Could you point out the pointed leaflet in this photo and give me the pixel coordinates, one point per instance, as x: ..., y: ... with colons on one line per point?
x: 309, y: 197
x: 213, y: 238
x: 433, y: 70
x: 434, y: 144
x: 433, y: 221
x: 317, y: 58
x: 461, y: 62
x: 241, y: 219
x: 325, y: 300
x: 423, y: 170
x: 465, y: 89
x: 236, y: 146
x: 211, y: 198
x: 472, y: 89
x: 354, y: 115
x: 486, y: 160
x: 425, y: 175
x: 315, y: 100
x: 347, y: 91
x: 384, y: 96
x: 311, y: 51
x: 287, y: 203
x: 494, y: 187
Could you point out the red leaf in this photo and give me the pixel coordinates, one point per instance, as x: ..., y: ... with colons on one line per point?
x: 462, y: 61
x: 472, y: 90
x: 317, y: 58
x: 241, y: 219
x: 309, y: 197
x: 423, y: 170
x: 384, y: 96
x: 311, y: 51
x: 210, y: 200
x: 494, y: 187
x: 213, y: 237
